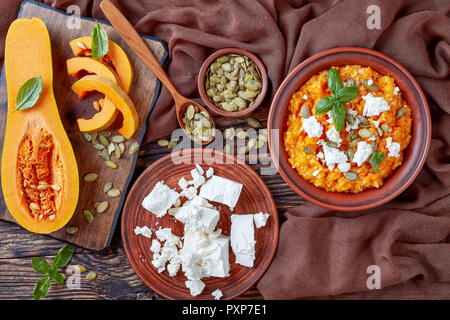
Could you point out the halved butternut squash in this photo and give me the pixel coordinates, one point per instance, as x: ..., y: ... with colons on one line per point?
x: 119, y: 59
x: 77, y: 64
x: 117, y: 96
x: 102, y: 119
x: 39, y: 170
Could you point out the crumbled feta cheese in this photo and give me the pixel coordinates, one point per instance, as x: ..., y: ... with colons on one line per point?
x: 333, y: 156
x: 199, y: 169
x: 312, y: 127
x: 196, y: 217
x: 209, y: 172
x: 160, y: 199
x: 195, y: 286
x: 221, y: 190
x: 163, y: 233
x: 344, y: 166
x: 189, y: 192
x: 217, y: 294
x: 393, y: 147
x: 156, y: 246
x: 363, y: 152
x: 396, y: 90
x: 260, y: 219
x: 320, y: 155
x: 242, y: 237
x: 373, y: 106
x: 305, y: 97
x: 333, y: 135
x: 144, y: 231
x: 173, y: 268
x: 315, y: 173
x: 376, y: 123
x: 183, y: 183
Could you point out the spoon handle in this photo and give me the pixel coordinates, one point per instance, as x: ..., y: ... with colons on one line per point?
x: 132, y: 38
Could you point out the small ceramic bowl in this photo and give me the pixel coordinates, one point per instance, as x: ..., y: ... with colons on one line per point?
x: 414, y: 155
x: 201, y: 82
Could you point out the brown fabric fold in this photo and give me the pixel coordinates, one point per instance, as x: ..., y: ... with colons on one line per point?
x: 323, y: 254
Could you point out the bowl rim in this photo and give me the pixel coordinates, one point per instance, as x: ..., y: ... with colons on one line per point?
x: 420, y: 160
x: 201, y: 85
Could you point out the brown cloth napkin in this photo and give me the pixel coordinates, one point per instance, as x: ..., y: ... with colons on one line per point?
x: 323, y: 254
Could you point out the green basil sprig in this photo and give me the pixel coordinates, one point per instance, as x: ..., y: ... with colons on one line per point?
x: 29, y: 93
x: 335, y: 103
x: 376, y: 159
x: 41, y: 266
x: 99, y: 41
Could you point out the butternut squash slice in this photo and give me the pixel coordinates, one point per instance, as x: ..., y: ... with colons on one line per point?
x: 117, y: 96
x: 101, y: 120
x: 39, y: 170
x: 119, y: 59
x: 90, y: 65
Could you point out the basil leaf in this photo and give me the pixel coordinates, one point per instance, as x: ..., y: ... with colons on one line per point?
x: 56, y: 277
x: 376, y: 159
x: 347, y: 94
x: 40, y: 265
x: 338, y: 112
x: 29, y: 93
x: 41, y: 288
x: 324, y: 105
x: 99, y: 41
x: 334, y: 80
x: 63, y: 257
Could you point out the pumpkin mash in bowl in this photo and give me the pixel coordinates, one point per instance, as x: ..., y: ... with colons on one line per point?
x: 347, y: 129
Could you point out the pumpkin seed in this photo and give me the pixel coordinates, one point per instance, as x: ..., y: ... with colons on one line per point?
x: 87, y: 136
x: 133, y: 148
x: 90, y: 177
x: 380, y: 131
x: 401, y: 112
x: 307, y: 149
x: 110, y: 164
x: 80, y: 45
x: 364, y: 125
x: 331, y: 144
x: 79, y: 268
x: 369, y: 84
x: 104, y: 154
x: 352, y: 135
x: 354, y: 143
x: 95, y: 204
x: 254, y: 123
x: 259, y: 144
x: 34, y: 206
x: 229, y: 133
x: 104, y: 141
x: 364, y: 133
x: 111, y: 148
x: 118, y: 138
x: 102, y: 206
x: 98, y: 146
x: 305, y: 112
x: 190, y: 112
x: 242, y: 135
x: 242, y: 150
x: 227, y: 149
x: 350, y: 154
x: 72, y: 230
x: 362, y: 119
x: 350, y: 83
x: 113, y: 193
x: 385, y: 128
x: 251, y: 143
x: 107, y: 186
x: 350, y: 119
x: 88, y: 216
x: 350, y: 175
x: 91, y: 275
x: 94, y: 135
x: 105, y: 133
x: 374, y: 146
x: 117, y: 152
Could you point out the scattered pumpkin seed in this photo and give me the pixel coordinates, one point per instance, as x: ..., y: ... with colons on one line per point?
x: 113, y: 193
x: 163, y: 143
x: 227, y: 149
x: 133, y: 148
x: 354, y: 143
x: 172, y: 145
x: 104, y: 154
x: 380, y: 131
x: 374, y: 146
x: 362, y: 119
x: 122, y: 147
x: 369, y: 84
x: 242, y: 135
x: 91, y: 275
x: 242, y: 150
x: 72, y: 230
x: 401, y: 112
x: 350, y: 154
x: 350, y: 175
x: 117, y: 152
x: 88, y: 216
x: 95, y: 204
x: 229, y: 133
x: 364, y: 133
x: 118, y: 138
x: 251, y: 143
x: 103, y: 140
x: 102, y: 206
x: 110, y: 164
x: 305, y: 112
x: 350, y: 119
x: 331, y: 144
x: 94, y: 135
x: 98, y: 146
x: 259, y: 144
x: 90, y: 177
x: 307, y: 149
x: 79, y: 268
x: 111, y: 148
x: 107, y: 186
x: 352, y: 135
x: 87, y: 136
x: 385, y: 128
x: 105, y: 133
x: 254, y: 123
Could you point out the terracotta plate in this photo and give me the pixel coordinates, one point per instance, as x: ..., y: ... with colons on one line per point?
x: 255, y: 197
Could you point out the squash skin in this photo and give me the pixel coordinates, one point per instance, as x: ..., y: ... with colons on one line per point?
x: 114, y: 93
x: 28, y: 54
x: 118, y: 58
x: 102, y: 119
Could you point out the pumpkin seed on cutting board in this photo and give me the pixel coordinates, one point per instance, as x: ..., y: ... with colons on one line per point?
x: 102, y: 206
x: 91, y: 275
x: 72, y: 230
x: 90, y: 177
x: 163, y: 142
x: 133, y: 148
x: 110, y: 164
x: 254, y: 123
x: 107, y: 186
x: 88, y: 216
x: 113, y: 193
x: 229, y: 133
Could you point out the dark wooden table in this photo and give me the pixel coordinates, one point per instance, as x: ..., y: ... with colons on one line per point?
x: 116, y: 279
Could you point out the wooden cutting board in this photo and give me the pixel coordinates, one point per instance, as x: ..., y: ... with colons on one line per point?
x: 144, y: 91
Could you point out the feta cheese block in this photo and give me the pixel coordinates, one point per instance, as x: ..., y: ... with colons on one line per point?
x: 156, y: 246
x: 160, y: 199
x: 195, y: 286
x: 374, y: 105
x: 363, y: 152
x: 221, y: 190
x: 333, y: 156
x: 209, y: 172
x: 393, y: 147
x: 242, y: 239
x: 260, y: 219
x: 144, y: 231
x: 312, y: 127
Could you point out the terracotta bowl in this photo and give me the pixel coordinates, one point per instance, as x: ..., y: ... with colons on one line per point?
x: 201, y: 82
x: 414, y: 155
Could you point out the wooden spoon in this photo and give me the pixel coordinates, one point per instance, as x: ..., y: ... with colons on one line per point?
x: 132, y: 38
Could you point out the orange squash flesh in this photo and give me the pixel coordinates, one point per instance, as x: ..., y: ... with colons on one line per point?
x: 102, y: 119
x: 117, y: 96
x: 39, y: 171
x: 116, y: 55
x: 77, y: 64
